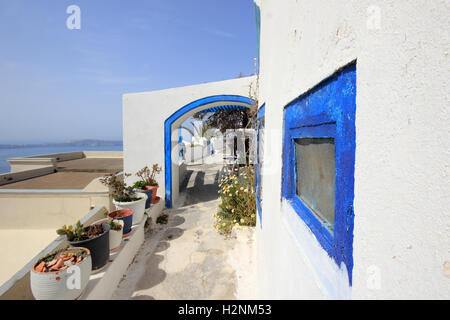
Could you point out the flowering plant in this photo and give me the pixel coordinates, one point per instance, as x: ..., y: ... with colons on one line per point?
x: 119, y: 191
x: 237, y: 200
x: 147, y: 176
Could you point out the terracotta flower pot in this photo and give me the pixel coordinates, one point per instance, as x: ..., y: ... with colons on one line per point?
x: 155, y: 198
x: 57, y: 285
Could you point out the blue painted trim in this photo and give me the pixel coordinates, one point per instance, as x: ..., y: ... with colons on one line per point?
x: 328, y: 110
x: 258, y: 175
x: 262, y: 111
x: 223, y: 108
x: 326, y: 130
x: 168, y: 133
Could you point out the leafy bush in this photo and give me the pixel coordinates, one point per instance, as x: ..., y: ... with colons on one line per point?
x: 237, y: 200
x: 140, y: 185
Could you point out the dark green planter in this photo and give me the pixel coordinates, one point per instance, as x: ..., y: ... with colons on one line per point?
x: 99, y: 247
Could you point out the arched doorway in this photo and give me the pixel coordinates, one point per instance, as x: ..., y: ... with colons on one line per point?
x: 184, y: 112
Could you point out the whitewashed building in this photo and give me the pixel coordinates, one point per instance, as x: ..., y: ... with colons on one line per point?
x: 353, y: 147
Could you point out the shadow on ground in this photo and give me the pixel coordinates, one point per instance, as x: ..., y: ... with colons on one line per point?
x: 200, y: 191
x: 186, y: 258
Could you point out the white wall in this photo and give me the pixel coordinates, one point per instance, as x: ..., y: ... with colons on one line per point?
x: 195, y: 153
x: 401, y: 231
x: 103, y: 154
x: 20, y: 165
x: 143, y: 122
x: 47, y: 209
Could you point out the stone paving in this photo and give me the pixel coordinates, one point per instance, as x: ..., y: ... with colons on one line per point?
x: 186, y: 258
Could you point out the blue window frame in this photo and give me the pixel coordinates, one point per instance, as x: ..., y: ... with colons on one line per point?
x: 325, y: 112
x: 259, y: 150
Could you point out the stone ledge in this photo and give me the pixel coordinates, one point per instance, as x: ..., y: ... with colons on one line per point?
x: 22, y: 164
x: 102, y: 284
x: 18, y: 286
x: 155, y: 210
x: 12, y: 177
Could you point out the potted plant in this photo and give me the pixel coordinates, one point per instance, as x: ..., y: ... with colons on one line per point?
x: 139, y: 186
x: 94, y: 237
x: 126, y: 216
x: 148, y: 181
x: 115, y: 232
x: 125, y: 197
x: 51, y: 277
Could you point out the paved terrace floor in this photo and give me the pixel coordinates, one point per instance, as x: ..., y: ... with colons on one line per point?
x: 187, y: 258
x: 73, y: 174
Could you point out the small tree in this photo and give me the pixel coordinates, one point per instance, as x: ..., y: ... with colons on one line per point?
x: 238, y: 118
x: 227, y: 119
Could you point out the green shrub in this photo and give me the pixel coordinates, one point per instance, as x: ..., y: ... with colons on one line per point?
x: 140, y: 185
x: 237, y: 200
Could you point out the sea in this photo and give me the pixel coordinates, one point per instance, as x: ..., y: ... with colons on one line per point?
x: 36, y: 151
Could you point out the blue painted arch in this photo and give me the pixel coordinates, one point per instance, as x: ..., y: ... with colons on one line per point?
x: 197, y: 104
x: 223, y: 108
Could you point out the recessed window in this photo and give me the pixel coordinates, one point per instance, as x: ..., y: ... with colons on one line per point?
x: 319, y: 141
x: 315, y: 175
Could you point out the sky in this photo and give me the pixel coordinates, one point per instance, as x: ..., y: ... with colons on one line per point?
x: 58, y: 84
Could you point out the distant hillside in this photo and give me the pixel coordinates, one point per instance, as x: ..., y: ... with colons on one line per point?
x: 78, y: 143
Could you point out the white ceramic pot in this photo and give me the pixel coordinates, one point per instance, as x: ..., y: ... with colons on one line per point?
x: 137, y: 206
x: 61, y: 285
x: 115, y: 236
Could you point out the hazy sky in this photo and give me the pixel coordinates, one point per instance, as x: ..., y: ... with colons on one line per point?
x: 58, y: 84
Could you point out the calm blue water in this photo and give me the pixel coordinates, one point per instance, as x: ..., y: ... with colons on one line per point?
x: 26, y: 152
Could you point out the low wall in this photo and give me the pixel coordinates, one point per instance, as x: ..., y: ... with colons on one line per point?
x: 103, y: 154
x: 22, y: 164
x: 46, y: 209
x: 101, y: 284
x: 12, y: 177
x: 18, y: 287
x: 66, y: 156
x: 40, y: 161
